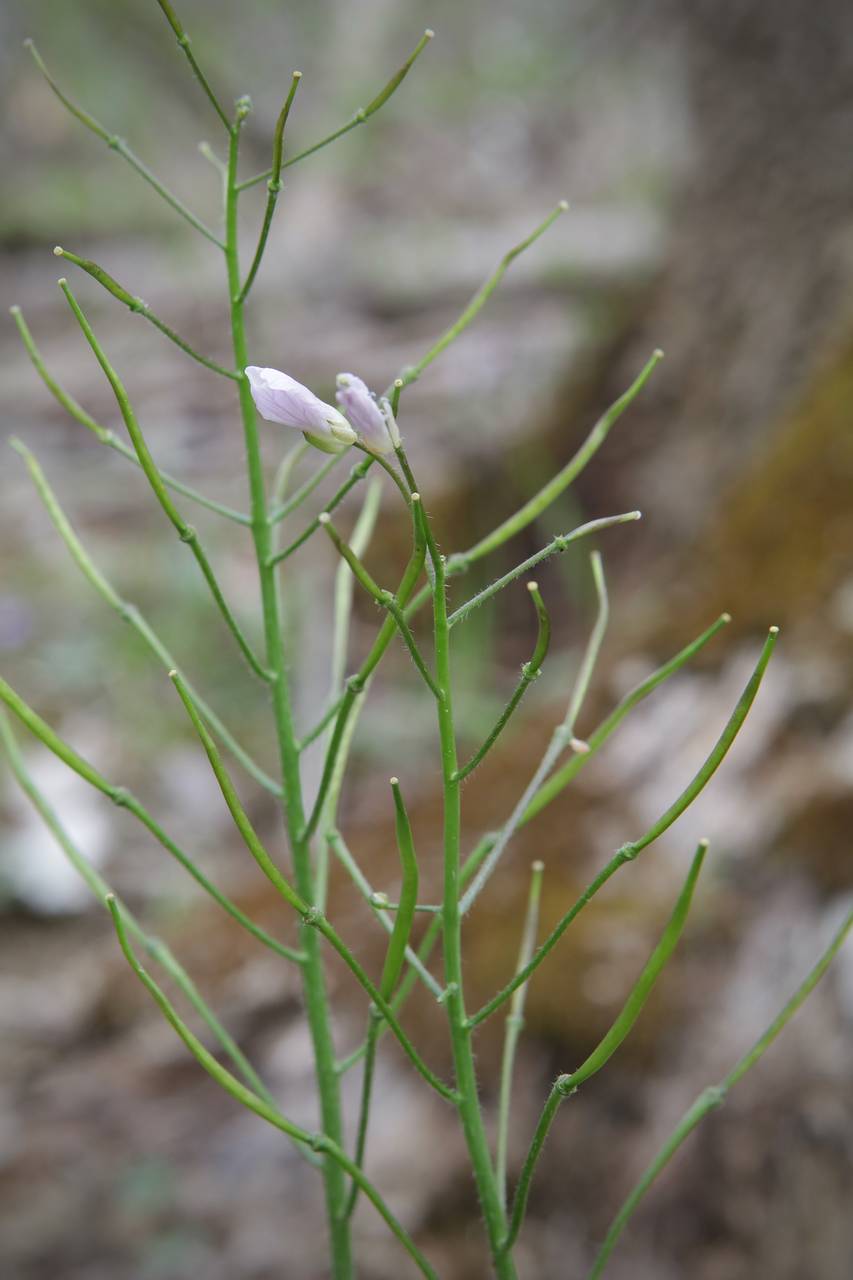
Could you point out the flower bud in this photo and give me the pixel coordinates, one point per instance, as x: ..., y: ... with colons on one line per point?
x: 363, y: 412
x: 280, y: 398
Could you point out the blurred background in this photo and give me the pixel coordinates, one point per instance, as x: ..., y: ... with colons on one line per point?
x: 705, y: 150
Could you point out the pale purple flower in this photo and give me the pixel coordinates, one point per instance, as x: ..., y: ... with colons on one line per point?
x: 363, y: 412
x: 280, y: 398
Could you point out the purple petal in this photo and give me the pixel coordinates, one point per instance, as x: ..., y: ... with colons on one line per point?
x: 363, y: 412
x: 280, y: 398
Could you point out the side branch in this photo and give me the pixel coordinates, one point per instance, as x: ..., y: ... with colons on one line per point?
x: 130, y: 613
x: 99, y: 888
x: 138, y: 307
x: 103, y: 434
x: 413, y: 372
x: 715, y: 1095
x: 358, y: 472
x: 308, y: 914
x: 561, y: 481
x: 562, y: 738
x: 394, y: 957
x: 124, y: 799
x: 273, y: 187
x: 184, y: 42
x: 515, y: 1026
x: 317, y: 1142
x: 338, y: 846
x: 630, y: 851
x: 566, y: 1085
x: 355, y: 684
x: 120, y: 146
x: 386, y: 599
x: 550, y: 790
x: 557, y: 545
x: 186, y: 532
x: 363, y: 114
x: 529, y: 672
x: 559, y: 780
x: 283, y: 509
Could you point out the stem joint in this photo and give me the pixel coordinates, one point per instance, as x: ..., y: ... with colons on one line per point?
x: 122, y: 797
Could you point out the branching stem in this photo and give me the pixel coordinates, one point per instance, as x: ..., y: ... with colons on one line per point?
x: 363, y: 114
x: 140, y: 308
x: 121, y: 148
x: 630, y: 851
x: 715, y: 1095
x: 568, y: 1084
x: 186, y: 532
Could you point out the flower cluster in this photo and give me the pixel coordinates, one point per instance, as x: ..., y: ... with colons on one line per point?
x: 280, y: 398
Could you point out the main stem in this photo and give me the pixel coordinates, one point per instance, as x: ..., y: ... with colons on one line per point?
x: 313, y: 976
x: 460, y: 1032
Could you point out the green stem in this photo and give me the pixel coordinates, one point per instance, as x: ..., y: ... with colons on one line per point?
x: 629, y: 852
x: 186, y: 532
x: 273, y: 186
x: 99, y: 888
x: 386, y: 599
x: 313, y: 974
x: 140, y: 308
x: 121, y: 148
x: 642, y: 988
x: 382, y: 903
x: 241, y: 819
x: 580, y: 688
x: 460, y: 1031
x: 359, y: 879
x: 558, y: 781
x: 358, y: 472
x: 184, y: 42
x: 103, y: 434
x: 561, y: 481
x: 317, y: 1142
x: 529, y: 672
x: 404, y: 489
x: 131, y: 614
x: 341, y: 620
x: 548, y: 792
x: 515, y: 1026
x: 561, y: 543
x: 411, y: 374
x: 367, y: 1076
x: 310, y: 916
x: 321, y: 924
x: 424, y: 952
x: 363, y: 114
x: 284, y: 473
x: 305, y: 490
x: 714, y: 1096
x: 405, y: 915
x: 562, y: 737
x: 715, y: 758
x: 124, y: 799
x: 355, y: 685
x: 398, y: 945
x: 323, y: 723
x: 566, y: 1085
